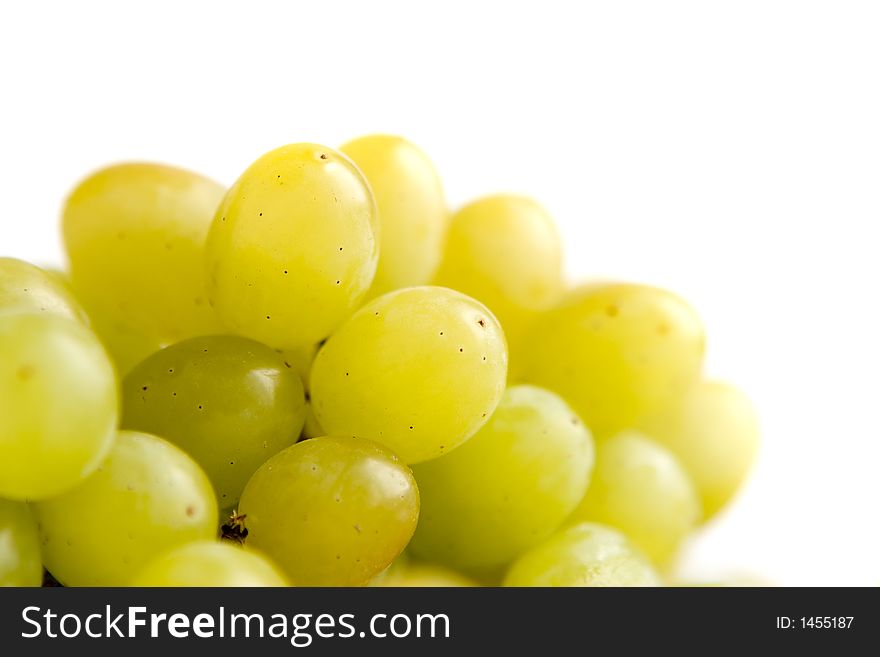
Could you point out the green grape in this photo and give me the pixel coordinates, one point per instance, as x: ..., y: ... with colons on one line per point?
x: 209, y: 564
x: 229, y: 402
x: 583, y: 555
x: 293, y: 247
x: 715, y: 434
x: 311, y: 427
x: 20, y: 563
x: 616, y: 352
x: 300, y: 360
x: 508, y: 487
x: 418, y: 370
x: 135, y: 237
x: 423, y: 576
x: 25, y: 288
x: 148, y: 496
x: 505, y: 251
x: 331, y: 511
x: 126, y: 346
x: 641, y: 489
x: 58, y: 405
x: 412, y: 209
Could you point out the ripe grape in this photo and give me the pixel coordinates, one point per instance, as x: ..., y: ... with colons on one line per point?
x: 418, y: 370
x: 25, y: 288
x: 412, y: 209
x: 616, y: 353
x: 301, y: 360
x: 229, y: 402
x: 311, y: 427
x: 419, y: 575
x: 583, y: 555
x: 640, y: 488
x: 147, y: 496
x: 135, y: 237
x: 331, y: 511
x: 19, y: 546
x: 508, y: 487
x: 210, y: 564
x: 505, y: 252
x: 293, y: 247
x: 715, y: 434
x: 58, y: 404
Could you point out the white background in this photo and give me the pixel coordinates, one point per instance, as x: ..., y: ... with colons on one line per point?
x: 728, y: 150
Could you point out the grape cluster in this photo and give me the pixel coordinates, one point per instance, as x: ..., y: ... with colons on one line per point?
x: 356, y: 386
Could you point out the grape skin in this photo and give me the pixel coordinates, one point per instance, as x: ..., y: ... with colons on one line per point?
x: 505, y: 251
x: 25, y: 288
x: 715, y: 433
x: 58, y: 405
x: 20, y: 563
x: 146, y: 497
x: 135, y: 238
x: 616, y: 352
x: 508, y: 487
x: 584, y: 555
x: 412, y: 209
x: 640, y: 488
x: 301, y: 360
x: 331, y: 511
x: 420, y: 575
x: 293, y: 246
x: 229, y: 402
x: 210, y: 564
x: 418, y: 370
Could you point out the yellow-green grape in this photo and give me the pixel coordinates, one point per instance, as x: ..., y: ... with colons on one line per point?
x: 616, y: 353
x: 424, y: 576
x: 210, y: 564
x: 412, y: 209
x: 504, y: 251
x: 25, y: 288
x: 229, y: 402
x: 331, y: 511
x: 583, y: 555
x: 715, y: 434
x: 311, y: 427
x: 293, y: 247
x: 135, y: 237
x: 418, y: 370
x: 640, y: 488
x: 126, y: 347
x: 20, y: 563
x: 148, y: 496
x: 300, y: 360
x: 508, y: 487
x: 58, y: 405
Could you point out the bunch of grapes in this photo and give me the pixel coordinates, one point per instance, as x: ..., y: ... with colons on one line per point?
x: 319, y: 377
